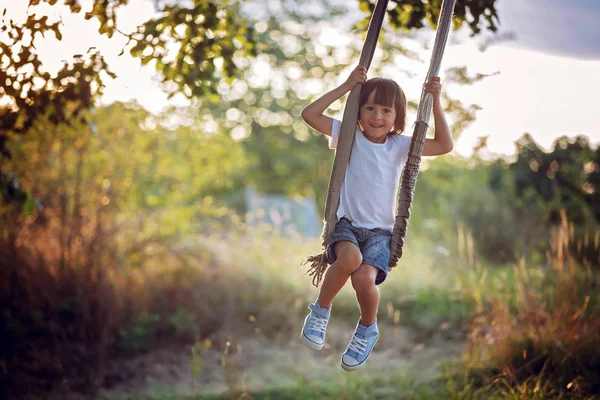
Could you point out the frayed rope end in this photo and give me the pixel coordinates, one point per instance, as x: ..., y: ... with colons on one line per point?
x: 317, y: 264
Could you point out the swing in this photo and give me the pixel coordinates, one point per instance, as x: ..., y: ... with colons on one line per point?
x: 317, y: 263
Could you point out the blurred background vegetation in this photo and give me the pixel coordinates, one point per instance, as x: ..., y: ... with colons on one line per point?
x: 124, y: 241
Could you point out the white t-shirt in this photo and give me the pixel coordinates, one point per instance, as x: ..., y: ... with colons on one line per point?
x: 370, y: 188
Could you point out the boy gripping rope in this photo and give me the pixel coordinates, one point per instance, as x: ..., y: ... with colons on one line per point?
x: 359, y: 248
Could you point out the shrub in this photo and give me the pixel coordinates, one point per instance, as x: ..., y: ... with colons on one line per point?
x: 551, y: 336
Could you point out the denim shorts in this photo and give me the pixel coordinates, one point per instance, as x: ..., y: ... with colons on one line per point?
x: 374, y: 245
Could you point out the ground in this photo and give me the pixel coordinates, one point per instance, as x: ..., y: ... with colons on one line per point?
x: 255, y: 363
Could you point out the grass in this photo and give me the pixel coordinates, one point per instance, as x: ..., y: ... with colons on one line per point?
x: 343, y: 387
x: 540, y: 336
x: 265, y: 290
x: 532, y: 331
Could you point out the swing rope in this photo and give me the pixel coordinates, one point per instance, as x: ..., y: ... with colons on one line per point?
x: 317, y: 263
x: 411, y: 168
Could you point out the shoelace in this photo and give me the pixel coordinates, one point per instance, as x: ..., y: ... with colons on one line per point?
x: 358, y: 345
x: 318, y: 324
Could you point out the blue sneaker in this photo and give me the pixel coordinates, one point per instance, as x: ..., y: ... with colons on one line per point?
x: 315, y: 324
x: 360, y: 346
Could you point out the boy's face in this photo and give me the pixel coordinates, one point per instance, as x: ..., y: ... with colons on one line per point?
x: 376, y: 121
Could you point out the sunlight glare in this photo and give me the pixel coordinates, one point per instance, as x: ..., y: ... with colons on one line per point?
x: 240, y: 132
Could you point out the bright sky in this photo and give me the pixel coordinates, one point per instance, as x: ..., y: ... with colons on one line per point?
x: 547, y: 85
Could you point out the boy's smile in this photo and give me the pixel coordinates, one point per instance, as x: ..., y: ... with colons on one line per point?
x: 376, y: 121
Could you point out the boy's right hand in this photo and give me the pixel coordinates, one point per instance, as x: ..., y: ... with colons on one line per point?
x: 358, y: 75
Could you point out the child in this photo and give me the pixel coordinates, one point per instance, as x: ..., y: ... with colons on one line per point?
x: 359, y: 248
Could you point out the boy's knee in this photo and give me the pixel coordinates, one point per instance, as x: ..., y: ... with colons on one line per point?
x: 363, y: 280
x: 349, y: 258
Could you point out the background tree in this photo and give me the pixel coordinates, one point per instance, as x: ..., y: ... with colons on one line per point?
x: 562, y: 183
x: 567, y: 177
x: 208, y: 37
x: 117, y: 196
x: 416, y: 14
x: 213, y: 33
x: 32, y: 94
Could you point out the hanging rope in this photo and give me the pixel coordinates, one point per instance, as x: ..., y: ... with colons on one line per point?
x: 411, y: 168
x: 318, y: 262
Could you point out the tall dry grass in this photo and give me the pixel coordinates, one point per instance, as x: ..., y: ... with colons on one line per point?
x: 541, y: 339
x: 91, y: 276
x: 70, y: 311
x: 59, y: 306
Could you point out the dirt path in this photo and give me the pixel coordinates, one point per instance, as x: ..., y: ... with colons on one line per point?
x: 256, y: 363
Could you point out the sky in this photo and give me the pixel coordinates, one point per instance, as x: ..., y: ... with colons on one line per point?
x: 549, y: 74
x: 546, y: 56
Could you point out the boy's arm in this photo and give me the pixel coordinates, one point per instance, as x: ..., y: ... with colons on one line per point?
x: 312, y: 114
x: 442, y: 141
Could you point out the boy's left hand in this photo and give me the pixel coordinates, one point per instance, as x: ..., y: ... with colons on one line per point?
x: 434, y: 87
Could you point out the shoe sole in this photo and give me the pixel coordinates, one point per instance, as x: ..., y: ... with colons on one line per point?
x: 309, y: 343
x: 351, y: 368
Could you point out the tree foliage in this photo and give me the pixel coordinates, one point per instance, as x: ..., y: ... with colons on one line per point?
x: 34, y: 94
x: 547, y: 190
x: 207, y: 36
x: 567, y: 177
x: 193, y: 45
x: 261, y: 109
x: 416, y: 14
x: 102, y: 10
x: 116, y: 195
x: 31, y: 93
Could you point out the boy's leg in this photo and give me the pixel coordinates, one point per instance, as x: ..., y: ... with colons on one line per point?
x: 367, y: 293
x: 348, y: 260
x: 366, y: 333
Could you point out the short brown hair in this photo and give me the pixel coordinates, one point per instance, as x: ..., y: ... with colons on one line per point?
x: 389, y: 94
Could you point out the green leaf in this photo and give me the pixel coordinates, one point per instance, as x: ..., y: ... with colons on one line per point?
x: 29, y: 205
